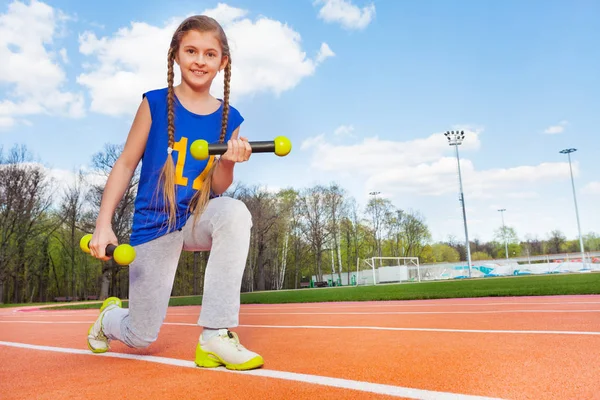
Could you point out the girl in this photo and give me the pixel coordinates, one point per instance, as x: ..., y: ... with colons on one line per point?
x: 172, y: 187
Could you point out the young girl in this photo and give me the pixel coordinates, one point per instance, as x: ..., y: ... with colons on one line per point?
x: 178, y: 205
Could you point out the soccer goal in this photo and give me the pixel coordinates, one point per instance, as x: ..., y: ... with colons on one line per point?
x: 376, y: 270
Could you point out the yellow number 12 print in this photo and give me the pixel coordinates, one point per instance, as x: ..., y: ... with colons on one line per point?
x: 181, y: 148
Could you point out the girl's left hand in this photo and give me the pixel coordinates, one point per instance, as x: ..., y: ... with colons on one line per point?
x: 238, y: 150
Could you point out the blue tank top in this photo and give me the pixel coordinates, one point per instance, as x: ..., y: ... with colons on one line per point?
x: 149, y: 220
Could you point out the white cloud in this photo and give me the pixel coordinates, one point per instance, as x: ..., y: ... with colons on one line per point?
x: 529, y: 194
x: 556, y: 129
x: 346, y: 13
x: 60, y: 180
x: 324, y: 53
x: 6, y: 122
x: 267, y: 56
x: 225, y: 14
x: 127, y: 64
x: 30, y: 66
x: 423, y: 166
x: 344, y: 130
x: 592, y: 188
x: 64, y: 56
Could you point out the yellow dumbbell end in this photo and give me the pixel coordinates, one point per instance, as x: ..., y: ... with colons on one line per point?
x: 199, y: 149
x: 84, y: 243
x: 283, y: 146
x: 124, y: 254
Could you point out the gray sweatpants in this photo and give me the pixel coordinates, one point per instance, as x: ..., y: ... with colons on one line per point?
x: 224, y: 229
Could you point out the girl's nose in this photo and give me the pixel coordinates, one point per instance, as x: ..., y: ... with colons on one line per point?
x: 200, y: 59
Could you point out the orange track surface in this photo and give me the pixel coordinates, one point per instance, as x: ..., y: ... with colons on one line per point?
x: 561, y: 364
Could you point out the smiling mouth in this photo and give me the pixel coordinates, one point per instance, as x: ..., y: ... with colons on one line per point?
x: 198, y: 73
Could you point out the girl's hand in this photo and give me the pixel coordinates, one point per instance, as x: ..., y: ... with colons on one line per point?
x: 102, y: 237
x: 238, y: 150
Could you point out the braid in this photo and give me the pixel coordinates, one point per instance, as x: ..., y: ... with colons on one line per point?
x: 225, y: 102
x: 167, y: 174
x: 171, y: 98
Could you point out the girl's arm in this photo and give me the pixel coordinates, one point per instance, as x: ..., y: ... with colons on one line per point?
x: 119, y: 179
x: 238, y: 150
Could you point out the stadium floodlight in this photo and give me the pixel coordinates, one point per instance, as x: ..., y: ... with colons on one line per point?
x: 568, y: 153
x: 504, y: 232
x: 455, y: 139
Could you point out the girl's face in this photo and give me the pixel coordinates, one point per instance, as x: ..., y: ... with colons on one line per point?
x: 200, y: 58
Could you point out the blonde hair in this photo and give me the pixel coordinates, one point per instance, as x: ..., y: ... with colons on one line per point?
x: 198, y: 202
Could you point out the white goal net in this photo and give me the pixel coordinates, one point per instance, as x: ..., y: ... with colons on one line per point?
x: 376, y: 270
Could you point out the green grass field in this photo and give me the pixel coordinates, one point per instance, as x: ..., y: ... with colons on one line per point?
x: 534, y: 285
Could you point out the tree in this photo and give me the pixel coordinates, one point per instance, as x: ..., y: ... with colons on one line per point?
x: 289, y: 200
x: 395, y: 234
x: 444, y: 253
x: 262, y: 207
x: 506, y: 233
x: 355, y: 233
x: 71, y: 213
x: 377, y: 209
x: 480, y: 255
x: 24, y: 200
x: 555, y: 240
x: 591, y: 241
x: 427, y: 256
x: 416, y: 233
x: 334, y: 200
x: 532, y: 245
x: 312, y: 207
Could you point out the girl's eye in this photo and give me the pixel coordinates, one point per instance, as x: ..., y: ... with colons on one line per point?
x: 212, y: 55
x: 190, y: 51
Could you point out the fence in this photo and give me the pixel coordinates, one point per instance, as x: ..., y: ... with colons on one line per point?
x: 535, y: 265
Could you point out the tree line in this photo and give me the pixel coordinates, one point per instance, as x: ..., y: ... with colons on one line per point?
x: 297, y: 233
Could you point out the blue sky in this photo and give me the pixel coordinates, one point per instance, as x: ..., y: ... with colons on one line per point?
x: 363, y: 89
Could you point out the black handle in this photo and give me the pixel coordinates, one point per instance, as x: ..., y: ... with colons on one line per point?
x: 264, y: 146
x: 110, y: 250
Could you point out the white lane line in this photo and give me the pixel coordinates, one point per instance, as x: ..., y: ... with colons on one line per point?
x: 341, y: 313
x: 385, y: 328
x: 336, y: 305
x: 411, y: 312
x: 408, y: 303
x: 358, y: 327
x: 46, y: 322
x: 378, y: 388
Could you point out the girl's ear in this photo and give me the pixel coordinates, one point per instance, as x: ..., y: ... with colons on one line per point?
x: 224, y: 62
x: 176, y: 58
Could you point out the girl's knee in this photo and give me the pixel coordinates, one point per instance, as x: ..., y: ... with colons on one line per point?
x: 138, y: 341
x: 236, y: 211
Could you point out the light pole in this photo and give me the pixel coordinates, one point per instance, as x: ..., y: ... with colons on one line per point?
x: 504, y: 232
x: 455, y: 139
x: 568, y: 153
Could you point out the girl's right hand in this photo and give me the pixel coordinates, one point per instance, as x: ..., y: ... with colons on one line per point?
x: 101, y: 238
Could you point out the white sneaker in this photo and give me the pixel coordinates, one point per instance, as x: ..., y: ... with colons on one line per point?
x: 226, y: 349
x: 96, y: 340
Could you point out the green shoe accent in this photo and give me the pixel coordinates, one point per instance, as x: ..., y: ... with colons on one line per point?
x: 208, y: 359
x: 109, y: 301
x: 91, y: 348
x: 253, y: 363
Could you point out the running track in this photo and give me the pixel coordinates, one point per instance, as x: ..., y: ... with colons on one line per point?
x: 508, y: 348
